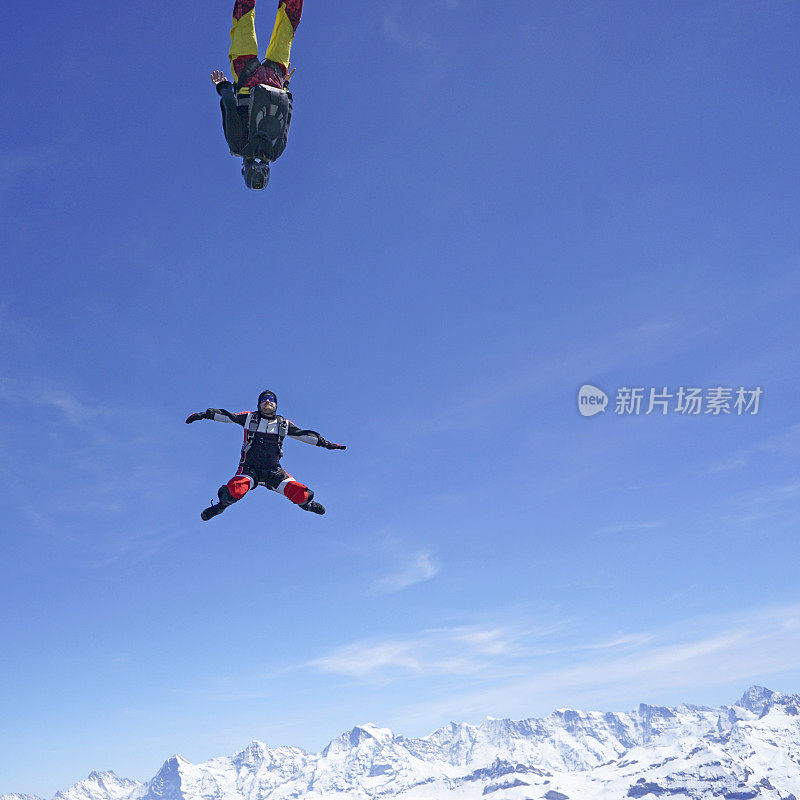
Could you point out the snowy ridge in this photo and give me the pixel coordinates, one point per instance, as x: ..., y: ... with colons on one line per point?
x: 748, y: 750
x: 103, y: 786
x: 15, y: 796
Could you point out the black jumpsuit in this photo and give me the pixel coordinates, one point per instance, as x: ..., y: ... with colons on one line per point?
x: 261, y: 454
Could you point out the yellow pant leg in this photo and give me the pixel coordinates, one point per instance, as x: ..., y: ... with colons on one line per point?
x: 280, y: 44
x: 244, y: 44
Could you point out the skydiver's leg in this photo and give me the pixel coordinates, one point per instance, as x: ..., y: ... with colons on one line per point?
x: 244, y: 44
x: 233, y: 491
x: 283, y: 483
x: 238, y: 486
x: 286, y: 22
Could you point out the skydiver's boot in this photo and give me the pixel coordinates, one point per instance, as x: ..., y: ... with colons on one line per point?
x: 212, y: 511
x: 312, y: 505
x: 225, y: 500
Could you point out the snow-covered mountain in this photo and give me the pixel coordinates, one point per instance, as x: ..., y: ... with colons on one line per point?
x: 748, y: 750
x: 103, y: 786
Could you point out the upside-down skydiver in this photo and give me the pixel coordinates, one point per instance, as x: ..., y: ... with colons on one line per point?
x: 257, y: 107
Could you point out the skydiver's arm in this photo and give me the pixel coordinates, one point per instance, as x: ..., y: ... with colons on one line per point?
x: 219, y: 415
x: 312, y: 437
x: 232, y: 127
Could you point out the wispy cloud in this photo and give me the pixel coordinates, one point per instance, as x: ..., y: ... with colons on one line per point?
x: 119, y: 452
x: 783, y: 443
x: 420, y: 567
x: 778, y: 504
x: 44, y: 395
x: 568, y: 367
x: 487, y: 641
x: 529, y: 668
x: 625, y: 640
x: 739, y: 648
x: 114, y: 457
x: 634, y: 346
x: 458, y: 650
x: 629, y: 527
x: 727, y: 464
x: 786, y: 442
x: 362, y: 660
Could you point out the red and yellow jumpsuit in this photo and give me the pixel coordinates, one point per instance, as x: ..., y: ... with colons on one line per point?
x: 244, y: 44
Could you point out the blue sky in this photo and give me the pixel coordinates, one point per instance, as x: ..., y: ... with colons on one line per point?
x: 481, y: 208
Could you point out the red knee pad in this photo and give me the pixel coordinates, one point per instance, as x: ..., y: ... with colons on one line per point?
x: 296, y: 492
x: 239, y: 486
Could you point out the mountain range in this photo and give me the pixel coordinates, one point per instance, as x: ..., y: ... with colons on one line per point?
x: 750, y: 749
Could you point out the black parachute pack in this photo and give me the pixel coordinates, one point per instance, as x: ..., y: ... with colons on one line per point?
x: 256, y: 125
x: 269, y: 117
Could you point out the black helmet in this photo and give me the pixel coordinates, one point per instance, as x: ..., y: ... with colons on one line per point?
x: 255, y: 173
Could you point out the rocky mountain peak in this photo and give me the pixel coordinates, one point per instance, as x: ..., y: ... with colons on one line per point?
x: 368, y: 733
x: 757, y: 699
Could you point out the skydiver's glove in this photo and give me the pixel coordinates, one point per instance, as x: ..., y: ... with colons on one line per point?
x: 331, y: 446
x: 207, y: 414
x: 223, y: 88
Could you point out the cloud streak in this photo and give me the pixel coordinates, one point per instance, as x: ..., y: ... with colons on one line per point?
x: 458, y: 650
x: 534, y: 669
x: 567, y: 368
x: 629, y: 527
x: 785, y: 443
x: 739, y: 648
x: 418, y: 569
x: 44, y: 395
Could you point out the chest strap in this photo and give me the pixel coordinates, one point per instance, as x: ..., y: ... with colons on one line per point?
x: 282, y: 428
x: 248, y: 71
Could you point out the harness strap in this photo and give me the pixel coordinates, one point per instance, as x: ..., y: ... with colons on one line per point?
x: 251, y: 67
x: 248, y: 436
x: 248, y: 71
x: 282, y: 429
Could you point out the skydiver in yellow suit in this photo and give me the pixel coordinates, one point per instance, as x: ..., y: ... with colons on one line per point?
x: 256, y: 107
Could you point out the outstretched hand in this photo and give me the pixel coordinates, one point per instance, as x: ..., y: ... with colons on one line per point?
x: 217, y: 76
x: 332, y: 446
x: 195, y: 417
x: 289, y: 74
